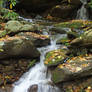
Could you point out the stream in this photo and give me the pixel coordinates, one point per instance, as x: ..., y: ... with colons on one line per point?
x: 38, y: 74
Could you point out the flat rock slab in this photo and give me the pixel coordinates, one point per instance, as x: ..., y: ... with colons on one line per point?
x: 84, y: 40
x: 75, y: 68
x: 17, y: 47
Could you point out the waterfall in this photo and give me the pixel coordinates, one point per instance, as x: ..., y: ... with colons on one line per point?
x: 82, y: 12
x: 38, y: 75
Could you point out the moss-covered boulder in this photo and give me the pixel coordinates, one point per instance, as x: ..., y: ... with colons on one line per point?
x: 14, y: 27
x: 55, y: 57
x: 39, y: 40
x: 63, y: 11
x: 70, y: 24
x: 84, y: 40
x: 19, y: 46
x: 75, y: 68
x: 36, y: 5
x: 55, y: 30
x: 75, y: 24
x: 65, y: 41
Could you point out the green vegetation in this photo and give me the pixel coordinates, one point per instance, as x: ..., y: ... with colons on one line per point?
x: 55, y: 57
x: 13, y: 2
x: 11, y: 15
x: 32, y: 63
x: 90, y: 3
x: 8, y: 14
x: 70, y: 25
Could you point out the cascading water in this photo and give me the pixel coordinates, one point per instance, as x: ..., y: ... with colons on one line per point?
x: 38, y: 74
x: 82, y: 12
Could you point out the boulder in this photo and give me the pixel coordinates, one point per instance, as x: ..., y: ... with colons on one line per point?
x: 14, y: 26
x: 63, y: 11
x: 74, y: 24
x: 55, y: 57
x: 36, y: 5
x: 57, y: 30
x: 39, y: 40
x: 66, y: 9
x: 76, y: 2
x: 75, y: 68
x: 84, y: 40
x: 33, y: 88
x: 18, y: 47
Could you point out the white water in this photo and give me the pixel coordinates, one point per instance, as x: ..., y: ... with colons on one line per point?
x: 82, y: 12
x: 38, y: 74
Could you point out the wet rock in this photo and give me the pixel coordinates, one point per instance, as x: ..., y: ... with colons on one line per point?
x: 55, y: 57
x: 33, y: 88
x: 38, y: 39
x: 75, y: 68
x: 72, y: 35
x: 62, y: 11
x: 14, y: 27
x: 84, y: 40
x: 58, y: 30
x: 36, y: 5
x: 18, y: 47
x: 7, y: 88
x: 64, y: 41
x: 74, y: 24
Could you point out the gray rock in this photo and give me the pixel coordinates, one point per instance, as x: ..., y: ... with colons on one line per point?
x: 33, y: 88
x: 73, y: 69
x: 84, y: 40
x: 58, y: 30
x: 13, y: 26
x: 18, y: 47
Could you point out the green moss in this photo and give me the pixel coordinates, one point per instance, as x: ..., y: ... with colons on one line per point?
x: 32, y: 63
x: 56, y: 75
x: 70, y: 25
x: 2, y: 34
x: 55, y: 57
x: 74, y: 34
x: 64, y: 41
